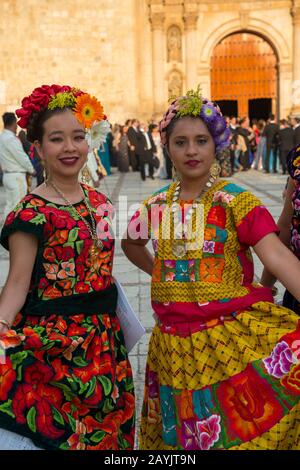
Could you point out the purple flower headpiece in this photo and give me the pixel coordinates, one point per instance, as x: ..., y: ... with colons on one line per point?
x: 192, y: 104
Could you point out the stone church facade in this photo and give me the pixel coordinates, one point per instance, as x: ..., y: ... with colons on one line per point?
x: 134, y: 54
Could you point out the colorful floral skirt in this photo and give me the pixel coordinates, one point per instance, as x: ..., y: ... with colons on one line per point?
x: 66, y: 383
x: 233, y: 384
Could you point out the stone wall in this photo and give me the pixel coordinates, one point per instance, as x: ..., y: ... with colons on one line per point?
x: 117, y: 49
x: 89, y: 44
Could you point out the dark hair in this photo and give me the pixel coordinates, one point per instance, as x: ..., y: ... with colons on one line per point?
x: 243, y: 119
x: 152, y: 126
x: 35, y: 127
x: 9, y: 119
x: 272, y: 116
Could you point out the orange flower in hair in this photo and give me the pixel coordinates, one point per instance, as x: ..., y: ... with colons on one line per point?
x: 88, y: 110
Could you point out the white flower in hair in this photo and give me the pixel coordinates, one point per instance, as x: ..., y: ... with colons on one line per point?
x: 97, y: 134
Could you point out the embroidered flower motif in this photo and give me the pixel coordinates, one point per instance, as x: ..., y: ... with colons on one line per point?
x: 208, y: 246
x: 68, y: 270
x: 292, y: 380
x: 280, y: 361
x: 208, y: 431
x: 170, y: 276
x: 51, y: 270
x: 221, y: 196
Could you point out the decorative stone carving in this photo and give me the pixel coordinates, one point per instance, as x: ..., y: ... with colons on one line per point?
x: 175, y: 84
x: 190, y: 21
x: 157, y: 21
x: 174, y: 44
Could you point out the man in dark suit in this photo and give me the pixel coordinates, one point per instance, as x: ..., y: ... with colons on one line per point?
x: 286, y: 139
x: 145, y: 151
x: 296, y: 131
x: 132, y: 135
x: 271, y: 132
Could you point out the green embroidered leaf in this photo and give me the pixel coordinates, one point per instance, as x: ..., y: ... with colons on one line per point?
x: 72, y: 422
x: 69, y: 395
x: 108, y: 406
x: 73, y: 235
x: 91, y: 387
x: 98, y: 436
x: 31, y: 419
x: 106, y: 384
x: 123, y: 350
x: 73, y: 383
x: 18, y: 358
x: 70, y: 244
x: 39, y: 329
x: 83, y: 387
x: 64, y: 446
x: 19, y: 373
x: 47, y: 345
x: 80, y: 362
x: 57, y: 416
x: 79, y: 246
x: 38, y: 219
x: 6, y: 408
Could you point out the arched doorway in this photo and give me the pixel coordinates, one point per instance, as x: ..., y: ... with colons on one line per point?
x: 244, y: 76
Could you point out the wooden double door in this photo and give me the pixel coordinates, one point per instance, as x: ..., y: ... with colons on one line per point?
x: 244, y: 76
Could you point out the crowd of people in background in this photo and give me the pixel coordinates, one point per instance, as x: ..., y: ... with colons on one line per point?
x: 262, y: 145
x: 136, y: 146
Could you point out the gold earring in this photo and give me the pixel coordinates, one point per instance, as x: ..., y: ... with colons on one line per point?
x: 45, y: 175
x: 85, y: 175
x: 215, y: 170
x: 175, y: 175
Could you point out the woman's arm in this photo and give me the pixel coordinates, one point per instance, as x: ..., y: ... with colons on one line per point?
x: 280, y: 262
x: 284, y: 224
x: 137, y: 253
x: 22, y: 251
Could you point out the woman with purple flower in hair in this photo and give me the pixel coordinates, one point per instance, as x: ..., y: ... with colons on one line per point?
x: 224, y: 361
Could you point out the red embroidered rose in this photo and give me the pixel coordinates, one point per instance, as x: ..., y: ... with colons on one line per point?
x: 43, y: 283
x: 10, y: 218
x: 27, y: 214
x: 49, y: 255
x: 62, y: 219
x: 52, y: 293
x: 7, y: 378
x: 32, y: 340
x: 82, y: 288
x: 96, y: 198
x: 97, y: 285
x: 76, y: 330
x: 83, y: 232
x: 64, y: 254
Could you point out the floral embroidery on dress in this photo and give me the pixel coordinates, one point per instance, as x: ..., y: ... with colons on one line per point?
x: 66, y: 381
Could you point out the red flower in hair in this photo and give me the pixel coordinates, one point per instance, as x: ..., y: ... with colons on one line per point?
x: 38, y: 100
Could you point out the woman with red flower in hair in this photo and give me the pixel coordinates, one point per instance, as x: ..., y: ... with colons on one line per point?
x: 61, y: 344
x: 223, y: 361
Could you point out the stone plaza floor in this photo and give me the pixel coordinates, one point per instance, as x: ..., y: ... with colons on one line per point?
x: 136, y: 283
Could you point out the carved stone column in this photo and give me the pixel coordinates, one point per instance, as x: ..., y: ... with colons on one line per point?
x: 296, y: 59
x: 190, y: 24
x: 158, y: 46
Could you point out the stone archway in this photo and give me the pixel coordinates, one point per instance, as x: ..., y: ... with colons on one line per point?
x: 244, y: 70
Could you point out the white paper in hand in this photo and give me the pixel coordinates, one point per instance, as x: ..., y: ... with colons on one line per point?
x: 132, y: 328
